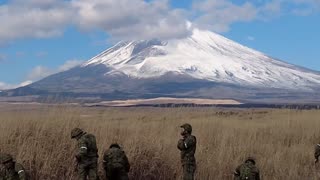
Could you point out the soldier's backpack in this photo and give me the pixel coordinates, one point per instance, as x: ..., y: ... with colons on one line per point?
x: 92, y: 144
x: 247, y: 172
x: 116, y: 158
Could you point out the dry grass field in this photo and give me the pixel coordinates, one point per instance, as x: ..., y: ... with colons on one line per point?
x: 281, y: 140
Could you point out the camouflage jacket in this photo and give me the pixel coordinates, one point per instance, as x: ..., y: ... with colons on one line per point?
x: 187, y: 146
x: 86, y: 148
x: 16, y: 173
x: 247, y: 171
x: 317, y: 151
x: 115, y: 158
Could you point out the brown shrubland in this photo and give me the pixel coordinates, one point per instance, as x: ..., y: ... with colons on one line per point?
x: 282, y: 141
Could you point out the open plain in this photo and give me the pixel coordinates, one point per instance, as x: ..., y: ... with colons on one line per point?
x: 282, y: 140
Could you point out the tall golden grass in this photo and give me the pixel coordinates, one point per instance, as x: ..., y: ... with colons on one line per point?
x: 282, y: 141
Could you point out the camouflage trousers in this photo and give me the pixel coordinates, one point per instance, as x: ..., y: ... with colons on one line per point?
x: 188, y: 171
x: 88, y: 170
x: 117, y: 174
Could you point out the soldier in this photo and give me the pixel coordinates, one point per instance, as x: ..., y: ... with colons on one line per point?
x: 247, y: 170
x: 187, y: 146
x: 11, y: 169
x: 115, y: 163
x: 316, y: 153
x: 87, y: 155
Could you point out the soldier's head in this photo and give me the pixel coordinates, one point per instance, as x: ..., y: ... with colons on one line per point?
x: 6, y: 160
x: 76, y: 133
x: 115, y: 145
x: 250, y: 160
x: 186, y: 129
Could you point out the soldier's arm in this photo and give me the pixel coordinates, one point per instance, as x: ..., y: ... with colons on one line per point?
x: 105, y: 160
x: 127, y: 164
x: 82, y: 149
x: 236, y: 173
x: 21, y: 172
x: 317, y: 152
x: 181, y: 145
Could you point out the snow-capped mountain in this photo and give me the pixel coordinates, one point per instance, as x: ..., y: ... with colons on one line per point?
x: 207, y: 56
x: 205, y: 65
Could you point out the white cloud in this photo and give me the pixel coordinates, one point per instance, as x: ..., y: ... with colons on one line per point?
x: 136, y: 19
x: 69, y: 64
x: 131, y: 19
x: 40, y: 72
x: 276, y: 8
x: 218, y: 15
x: 4, y: 86
x: 25, y: 83
x: 270, y: 9
x: 120, y: 18
x: 33, y: 19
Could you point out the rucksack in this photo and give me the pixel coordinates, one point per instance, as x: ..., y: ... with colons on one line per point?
x: 247, y: 172
x: 91, y: 143
x: 116, y: 157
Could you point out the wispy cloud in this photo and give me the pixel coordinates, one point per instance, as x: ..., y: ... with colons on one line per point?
x: 3, y: 57
x: 4, y: 86
x: 218, y: 15
x: 20, y: 54
x: 40, y: 72
x: 250, y: 38
x: 69, y: 64
x: 41, y: 54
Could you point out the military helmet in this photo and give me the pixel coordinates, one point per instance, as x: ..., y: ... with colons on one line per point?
x: 115, y: 145
x: 251, y: 159
x: 4, y: 158
x: 76, y: 132
x: 187, y: 127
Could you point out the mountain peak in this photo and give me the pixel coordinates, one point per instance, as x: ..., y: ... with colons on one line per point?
x: 207, y: 56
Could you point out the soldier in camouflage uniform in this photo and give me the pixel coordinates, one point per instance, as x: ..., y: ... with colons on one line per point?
x: 187, y: 146
x: 115, y: 163
x: 87, y: 154
x: 247, y: 170
x: 10, y: 169
x: 316, y: 153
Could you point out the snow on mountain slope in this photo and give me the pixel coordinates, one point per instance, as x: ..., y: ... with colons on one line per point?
x: 206, y: 56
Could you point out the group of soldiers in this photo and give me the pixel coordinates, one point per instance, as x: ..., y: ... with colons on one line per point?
x: 115, y: 161
x: 116, y: 164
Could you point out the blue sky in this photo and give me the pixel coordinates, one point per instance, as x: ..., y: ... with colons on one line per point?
x: 41, y: 37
